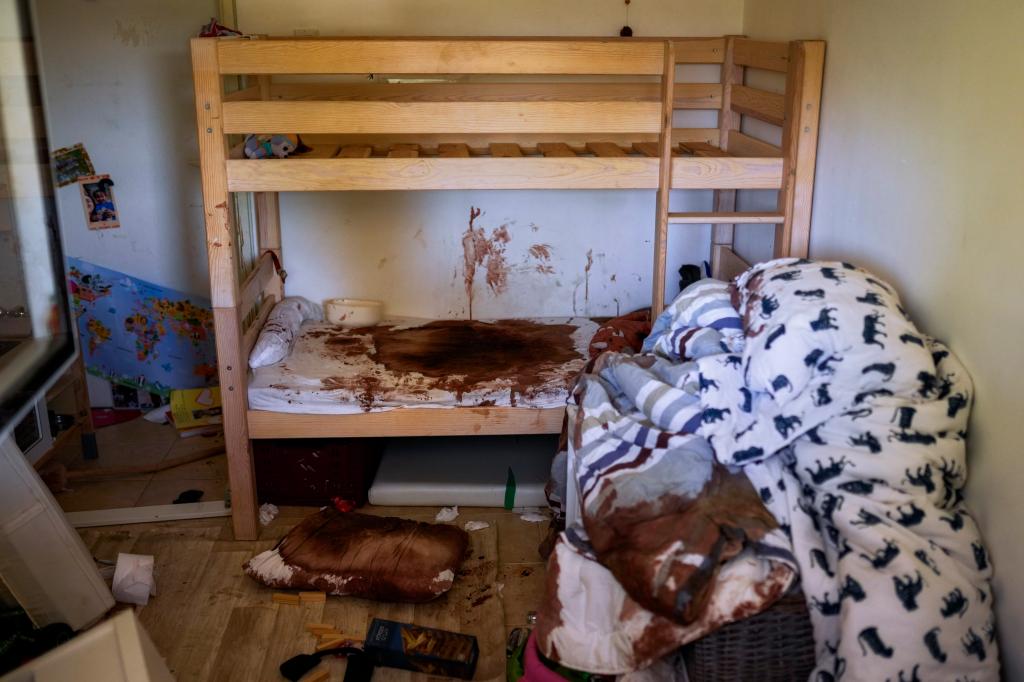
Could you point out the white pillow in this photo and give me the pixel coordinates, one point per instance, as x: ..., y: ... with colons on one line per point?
x: 278, y: 334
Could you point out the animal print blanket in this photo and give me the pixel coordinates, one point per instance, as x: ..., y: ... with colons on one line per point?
x: 851, y: 425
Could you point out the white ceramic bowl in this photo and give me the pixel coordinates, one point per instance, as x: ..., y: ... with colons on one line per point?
x: 353, y: 312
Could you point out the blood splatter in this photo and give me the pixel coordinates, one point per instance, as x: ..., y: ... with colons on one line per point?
x: 489, y: 252
x: 542, y: 254
x: 586, y: 275
x: 541, y: 251
x: 454, y: 355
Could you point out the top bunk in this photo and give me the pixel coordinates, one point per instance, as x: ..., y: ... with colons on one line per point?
x: 491, y: 113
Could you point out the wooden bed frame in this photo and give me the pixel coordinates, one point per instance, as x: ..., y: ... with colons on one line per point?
x: 462, y: 134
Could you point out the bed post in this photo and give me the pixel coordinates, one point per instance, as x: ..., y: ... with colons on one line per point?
x: 668, y: 78
x: 799, y: 146
x: 221, y: 251
x: 268, y: 215
x: 725, y: 199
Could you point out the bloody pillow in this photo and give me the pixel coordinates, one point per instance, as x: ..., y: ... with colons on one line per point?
x: 374, y: 557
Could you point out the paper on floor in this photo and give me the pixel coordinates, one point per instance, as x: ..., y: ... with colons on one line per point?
x: 447, y: 514
x: 268, y: 512
x: 133, y: 579
x: 476, y: 525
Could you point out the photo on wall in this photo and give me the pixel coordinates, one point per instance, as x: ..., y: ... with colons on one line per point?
x: 98, y: 202
x: 71, y: 163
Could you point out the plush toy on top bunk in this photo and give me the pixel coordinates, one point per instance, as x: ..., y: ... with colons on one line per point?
x: 277, y: 146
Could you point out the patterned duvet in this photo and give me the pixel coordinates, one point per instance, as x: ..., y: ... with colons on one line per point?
x: 804, y: 386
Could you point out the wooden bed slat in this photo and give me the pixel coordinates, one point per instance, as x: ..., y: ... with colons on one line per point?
x: 556, y: 149
x: 761, y: 104
x: 250, y: 93
x: 646, y: 148
x: 320, y: 151
x: 355, y: 152
x: 453, y: 150
x: 505, y: 150
x: 762, y: 55
x: 404, y: 151
x: 440, y: 117
x: 631, y: 172
x: 701, y: 149
x: 427, y: 56
x: 479, y: 142
x: 605, y: 149
x: 686, y: 96
x: 725, y: 218
x: 745, y: 145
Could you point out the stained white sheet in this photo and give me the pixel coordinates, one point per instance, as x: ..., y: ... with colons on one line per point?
x: 335, y: 371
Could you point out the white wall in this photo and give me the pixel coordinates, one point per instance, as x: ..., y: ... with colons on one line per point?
x: 919, y: 178
x: 117, y: 77
x: 406, y: 249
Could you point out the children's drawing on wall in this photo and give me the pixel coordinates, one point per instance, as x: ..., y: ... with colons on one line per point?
x: 98, y: 201
x: 71, y: 163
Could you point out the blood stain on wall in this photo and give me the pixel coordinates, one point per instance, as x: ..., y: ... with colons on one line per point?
x: 542, y: 254
x: 586, y: 275
x: 479, y: 250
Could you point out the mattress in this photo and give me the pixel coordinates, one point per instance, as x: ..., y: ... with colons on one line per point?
x: 405, y: 362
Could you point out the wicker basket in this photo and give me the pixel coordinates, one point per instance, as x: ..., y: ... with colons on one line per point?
x: 776, y: 645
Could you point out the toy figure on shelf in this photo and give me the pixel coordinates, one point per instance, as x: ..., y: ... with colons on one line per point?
x: 272, y: 146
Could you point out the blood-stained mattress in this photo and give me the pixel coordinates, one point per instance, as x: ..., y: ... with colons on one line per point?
x: 425, y: 363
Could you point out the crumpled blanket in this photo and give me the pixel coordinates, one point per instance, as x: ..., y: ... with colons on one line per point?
x: 670, y: 544
x: 622, y: 333
x: 850, y: 424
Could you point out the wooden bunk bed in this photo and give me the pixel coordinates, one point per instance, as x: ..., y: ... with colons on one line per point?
x: 581, y: 113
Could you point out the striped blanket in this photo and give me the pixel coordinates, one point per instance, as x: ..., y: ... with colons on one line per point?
x: 808, y: 384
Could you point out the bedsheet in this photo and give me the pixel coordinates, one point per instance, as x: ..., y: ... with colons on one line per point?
x: 406, y: 362
x: 850, y: 424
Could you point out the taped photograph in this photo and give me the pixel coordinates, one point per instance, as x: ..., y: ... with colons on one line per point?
x: 98, y: 202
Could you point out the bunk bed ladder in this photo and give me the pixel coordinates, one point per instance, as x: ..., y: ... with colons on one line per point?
x: 802, y: 61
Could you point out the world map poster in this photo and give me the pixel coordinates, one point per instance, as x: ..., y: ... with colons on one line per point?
x: 138, y: 334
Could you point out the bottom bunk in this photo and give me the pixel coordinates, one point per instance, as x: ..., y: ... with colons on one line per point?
x: 411, y: 376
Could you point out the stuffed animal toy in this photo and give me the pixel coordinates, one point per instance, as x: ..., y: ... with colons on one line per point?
x: 267, y: 146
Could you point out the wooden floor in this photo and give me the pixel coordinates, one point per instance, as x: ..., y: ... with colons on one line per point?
x: 140, y: 443
x: 211, y: 622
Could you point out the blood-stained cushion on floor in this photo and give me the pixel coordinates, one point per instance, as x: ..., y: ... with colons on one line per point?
x: 375, y: 557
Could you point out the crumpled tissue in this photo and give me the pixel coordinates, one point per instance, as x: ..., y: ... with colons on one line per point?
x: 133, y: 579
